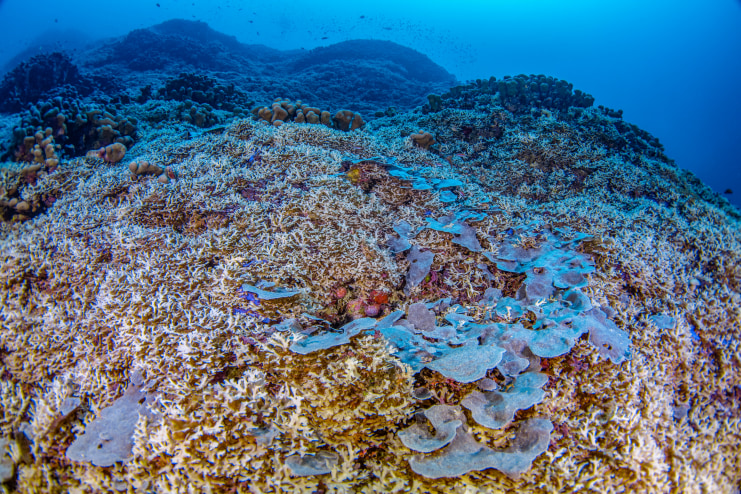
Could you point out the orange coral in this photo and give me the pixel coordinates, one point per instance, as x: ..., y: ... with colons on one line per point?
x: 423, y: 140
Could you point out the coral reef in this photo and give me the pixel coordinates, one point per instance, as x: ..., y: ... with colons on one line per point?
x: 517, y: 94
x: 283, y: 110
x: 541, y: 301
x: 76, y: 127
x: 365, y: 75
x: 18, y: 199
x: 37, y: 78
x: 202, y: 89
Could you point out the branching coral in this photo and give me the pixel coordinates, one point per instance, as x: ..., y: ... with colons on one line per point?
x: 117, y: 276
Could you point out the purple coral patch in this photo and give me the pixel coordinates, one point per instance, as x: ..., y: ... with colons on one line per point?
x: 467, y: 238
x: 421, y: 317
x: 611, y: 342
x: 419, y: 267
x: 109, y: 437
x: 465, y: 454
x: 468, y: 363
x: 496, y: 409
x: 445, y: 419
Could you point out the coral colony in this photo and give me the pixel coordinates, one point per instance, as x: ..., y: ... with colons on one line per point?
x: 504, y: 290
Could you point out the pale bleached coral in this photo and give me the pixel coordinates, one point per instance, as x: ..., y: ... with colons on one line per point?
x: 121, y: 275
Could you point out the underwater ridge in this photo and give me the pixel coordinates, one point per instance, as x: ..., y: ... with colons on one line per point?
x: 346, y: 272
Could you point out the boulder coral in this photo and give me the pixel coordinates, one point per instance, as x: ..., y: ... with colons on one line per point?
x: 76, y: 127
x: 200, y: 89
x: 283, y: 110
x: 422, y: 139
x: 113, y: 153
x: 347, y: 120
x: 144, y: 168
x: 165, y: 175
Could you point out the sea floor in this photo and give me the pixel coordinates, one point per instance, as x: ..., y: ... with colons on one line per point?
x: 206, y: 314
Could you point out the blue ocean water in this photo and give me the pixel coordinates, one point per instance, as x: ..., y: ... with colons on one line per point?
x: 671, y: 66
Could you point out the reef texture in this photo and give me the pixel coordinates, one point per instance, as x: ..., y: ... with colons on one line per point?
x: 528, y: 301
x: 179, y: 60
x: 185, y: 71
x: 39, y: 76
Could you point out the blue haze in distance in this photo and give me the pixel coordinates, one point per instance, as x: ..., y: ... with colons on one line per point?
x: 674, y: 67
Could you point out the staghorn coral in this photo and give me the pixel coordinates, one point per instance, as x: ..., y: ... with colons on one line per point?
x: 123, y: 276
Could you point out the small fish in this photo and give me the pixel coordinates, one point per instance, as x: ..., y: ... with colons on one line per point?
x: 325, y: 37
x: 362, y: 17
x: 158, y: 5
x: 728, y: 191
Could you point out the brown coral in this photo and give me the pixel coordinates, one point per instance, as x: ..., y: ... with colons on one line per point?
x: 423, y: 140
x: 115, y: 152
x: 347, y: 120
x: 283, y: 110
x: 144, y: 168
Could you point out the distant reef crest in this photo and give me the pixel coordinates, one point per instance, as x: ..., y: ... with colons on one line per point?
x: 366, y: 75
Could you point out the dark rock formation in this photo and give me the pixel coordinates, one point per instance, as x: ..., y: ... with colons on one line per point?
x: 38, y: 77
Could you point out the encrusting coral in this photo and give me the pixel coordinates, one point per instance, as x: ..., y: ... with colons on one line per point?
x: 272, y: 238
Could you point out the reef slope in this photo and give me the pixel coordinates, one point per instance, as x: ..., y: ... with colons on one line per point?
x: 502, y: 291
